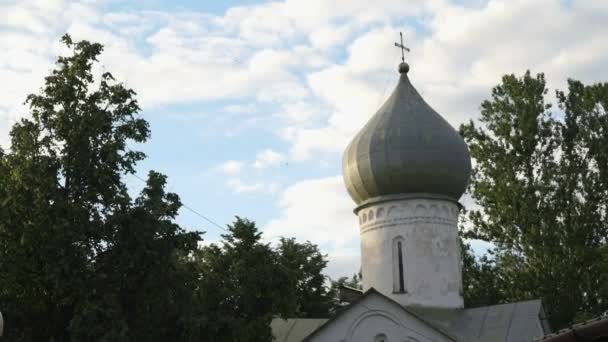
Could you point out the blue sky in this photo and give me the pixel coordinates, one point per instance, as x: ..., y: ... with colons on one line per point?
x: 251, y: 103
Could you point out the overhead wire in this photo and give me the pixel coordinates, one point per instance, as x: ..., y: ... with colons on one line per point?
x: 215, y: 224
x: 204, y: 217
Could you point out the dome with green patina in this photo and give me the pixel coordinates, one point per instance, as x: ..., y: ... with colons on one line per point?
x: 406, y: 150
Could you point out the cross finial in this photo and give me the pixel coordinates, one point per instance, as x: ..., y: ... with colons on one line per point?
x: 402, y: 47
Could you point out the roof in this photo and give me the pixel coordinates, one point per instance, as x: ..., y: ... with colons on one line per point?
x: 514, y: 322
x: 348, y: 294
x: 295, y: 329
x: 406, y: 148
x: 594, y: 330
x: 368, y: 293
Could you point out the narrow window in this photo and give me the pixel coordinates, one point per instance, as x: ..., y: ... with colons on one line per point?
x: 398, y: 265
x: 400, y: 256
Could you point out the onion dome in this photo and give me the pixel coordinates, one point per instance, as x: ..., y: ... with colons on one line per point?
x: 406, y: 150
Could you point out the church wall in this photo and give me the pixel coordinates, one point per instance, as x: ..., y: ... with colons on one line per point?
x: 377, y: 319
x: 431, y: 260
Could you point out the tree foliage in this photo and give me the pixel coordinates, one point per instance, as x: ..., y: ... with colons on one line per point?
x: 81, y: 260
x: 354, y: 282
x: 313, y: 299
x: 480, y: 279
x: 246, y: 283
x: 541, y: 180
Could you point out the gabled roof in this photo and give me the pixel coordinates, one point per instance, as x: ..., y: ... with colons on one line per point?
x: 594, y: 330
x: 513, y: 322
x: 295, y: 329
x: 367, y: 294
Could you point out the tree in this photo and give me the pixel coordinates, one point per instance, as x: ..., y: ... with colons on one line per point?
x: 79, y: 259
x: 353, y: 282
x: 306, y: 263
x: 146, y: 277
x: 542, y: 185
x: 481, y: 281
x: 245, y: 283
x: 243, y: 286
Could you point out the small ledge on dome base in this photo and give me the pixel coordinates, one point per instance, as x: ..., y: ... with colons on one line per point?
x: 395, y: 197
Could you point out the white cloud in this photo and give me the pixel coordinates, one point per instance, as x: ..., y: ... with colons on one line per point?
x: 465, y: 52
x: 288, y: 55
x: 343, y: 263
x: 239, y: 186
x: 29, y: 40
x: 267, y: 158
x: 318, y: 210
x: 300, y: 113
x: 169, y: 57
x: 231, y: 167
x: 328, y: 36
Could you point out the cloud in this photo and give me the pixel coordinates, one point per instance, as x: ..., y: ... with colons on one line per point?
x: 231, y: 167
x: 351, y: 92
x: 267, y: 158
x: 239, y: 186
x: 322, y: 67
x: 29, y: 39
x: 177, y: 56
x: 459, y: 50
x: 318, y: 210
x: 343, y: 263
x: 458, y: 56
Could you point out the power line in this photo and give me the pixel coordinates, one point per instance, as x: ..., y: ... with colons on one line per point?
x: 204, y: 217
x: 191, y: 209
x: 217, y: 225
x: 290, y: 269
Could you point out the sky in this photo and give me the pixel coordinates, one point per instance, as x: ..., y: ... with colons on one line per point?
x: 251, y: 103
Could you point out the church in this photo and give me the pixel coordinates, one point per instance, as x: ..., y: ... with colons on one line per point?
x: 406, y: 171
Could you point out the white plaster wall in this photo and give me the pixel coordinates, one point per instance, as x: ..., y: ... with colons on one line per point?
x: 373, y: 316
x: 431, y: 253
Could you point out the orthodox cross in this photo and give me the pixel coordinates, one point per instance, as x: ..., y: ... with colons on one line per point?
x: 402, y: 47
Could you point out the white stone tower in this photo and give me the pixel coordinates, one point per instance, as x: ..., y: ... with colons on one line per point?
x: 406, y: 170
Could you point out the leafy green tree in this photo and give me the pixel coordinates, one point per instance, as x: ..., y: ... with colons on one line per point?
x: 244, y: 285
x: 542, y: 184
x: 146, y: 277
x: 480, y: 279
x: 353, y: 282
x: 306, y: 264
x: 334, y: 290
x: 79, y: 259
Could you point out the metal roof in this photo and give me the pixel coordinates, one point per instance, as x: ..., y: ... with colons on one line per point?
x: 390, y: 301
x: 595, y: 330
x: 513, y: 322
x: 295, y: 329
x: 406, y: 148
